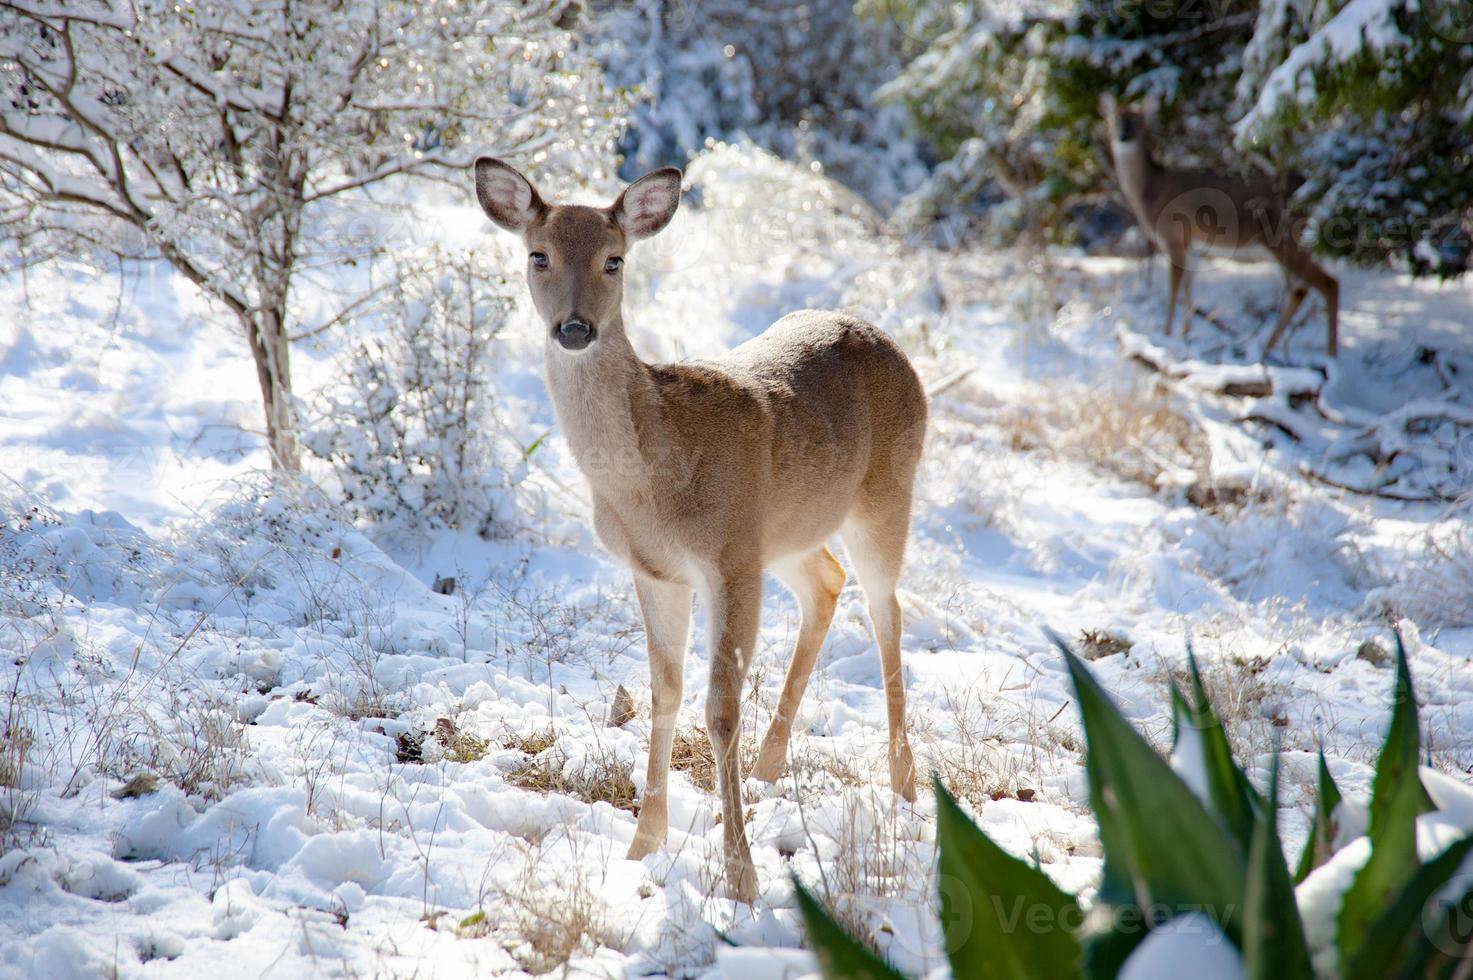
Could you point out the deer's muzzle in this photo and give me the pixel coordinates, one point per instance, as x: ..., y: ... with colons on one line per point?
x: 573, y: 334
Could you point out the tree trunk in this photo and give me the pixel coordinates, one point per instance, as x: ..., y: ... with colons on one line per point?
x: 272, y: 355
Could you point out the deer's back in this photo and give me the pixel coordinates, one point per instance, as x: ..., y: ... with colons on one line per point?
x: 1218, y: 210
x: 795, y: 425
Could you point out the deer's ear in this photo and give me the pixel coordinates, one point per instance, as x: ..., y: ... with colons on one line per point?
x: 1151, y: 108
x: 1107, y: 105
x: 648, y: 204
x: 508, y: 198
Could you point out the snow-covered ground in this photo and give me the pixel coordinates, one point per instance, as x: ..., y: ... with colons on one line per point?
x: 357, y: 775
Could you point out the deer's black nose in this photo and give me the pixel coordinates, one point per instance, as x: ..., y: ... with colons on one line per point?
x: 573, y: 334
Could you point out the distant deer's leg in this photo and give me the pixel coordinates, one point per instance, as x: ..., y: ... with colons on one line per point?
x: 666, y: 609
x: 1292, y: 299
x: 736, y: 603
x: 1188, y: 279
x: 815, y: 579
x: 1329, y: 288
x: 875, y: 541
x: 1176, y: 269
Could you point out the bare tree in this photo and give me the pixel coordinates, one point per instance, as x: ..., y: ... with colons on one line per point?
x: 219, y: 135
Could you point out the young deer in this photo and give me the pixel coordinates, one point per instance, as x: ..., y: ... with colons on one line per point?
x: 703, y: 474
x: 1178, y: 209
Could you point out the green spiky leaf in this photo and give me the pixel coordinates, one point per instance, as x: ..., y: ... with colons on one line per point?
x: 1232, y: 795
x: 1321, y: 841
x: 1273, y: 933
x: 1394, y: 938
x: 1397, y: 798
x: 1162, y: 847
x: 840, y: 957
x: 1445, y: 949
x: 1021, y: 923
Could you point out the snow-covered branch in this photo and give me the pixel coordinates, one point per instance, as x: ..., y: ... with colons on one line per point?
x: 215, y: 129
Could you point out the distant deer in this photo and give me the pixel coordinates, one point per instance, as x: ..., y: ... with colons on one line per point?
x: 703, y: 474
x: 1179, y: 209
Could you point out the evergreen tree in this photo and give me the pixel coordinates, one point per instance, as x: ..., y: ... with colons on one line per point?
x: 1364, y: 106
x: 1372, y: 100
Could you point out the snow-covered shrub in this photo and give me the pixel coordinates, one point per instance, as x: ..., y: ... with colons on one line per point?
x: 797, y: 79
x: 1369, y: 101
x: 1140, y: 436
x: 410, y: 429
x: 235, y: 141
x: 1194, y: 866
x: 1007, y: 95
x: 1434, y: 588
x: 1360, y: 107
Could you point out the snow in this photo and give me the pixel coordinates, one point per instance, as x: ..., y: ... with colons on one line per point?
x: 165, y: 610
x: 1190, y: 943
x: 1189, y: 760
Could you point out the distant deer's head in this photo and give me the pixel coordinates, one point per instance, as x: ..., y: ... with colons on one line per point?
x: 575, y: 254
x: 1130, y: 125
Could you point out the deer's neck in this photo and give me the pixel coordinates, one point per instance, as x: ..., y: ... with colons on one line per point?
x: 606, y: 405
x: 1135, y: 168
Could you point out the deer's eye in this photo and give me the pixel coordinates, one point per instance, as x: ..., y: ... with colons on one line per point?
x: 613, y: 265
x: 539, y: 260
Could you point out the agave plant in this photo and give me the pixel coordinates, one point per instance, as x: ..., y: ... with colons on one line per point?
x: 1214, y: 851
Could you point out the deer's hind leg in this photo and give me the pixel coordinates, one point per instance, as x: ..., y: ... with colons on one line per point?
x: 816, y: 580
x: 874, y: 538
x: 1301, y: 274
x: 1329, y: 288
x: 735, y: 599
x: 1177, y: 274
x: 1294, y: 293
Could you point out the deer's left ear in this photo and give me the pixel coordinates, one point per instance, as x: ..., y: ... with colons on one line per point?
x: 648, y: 204
x: 1151, y: 108
x: 1107, y: 104
x: 508, y: 198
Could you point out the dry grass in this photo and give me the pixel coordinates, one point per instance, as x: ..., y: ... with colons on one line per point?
x: 842, y: 770
x: 1138, y: 435
x: 15, y: 802
x: 991, y: 747
x: 878, y: 862
x: 1248, y: 705
x: 555, y: 924
x: 531, y: 743
x: 543, y: 919
x: 1098, y: 644
x: 1433, y: 587
x: 211, y: 749
x: 600, y: 778
x: 458, y: 745
x: 691, y: 753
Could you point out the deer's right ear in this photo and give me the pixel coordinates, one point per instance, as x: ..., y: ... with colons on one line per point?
x: 508, y: 198
x: 1151, y: 108
x: 1107, y: 105
x: 648, y: 204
